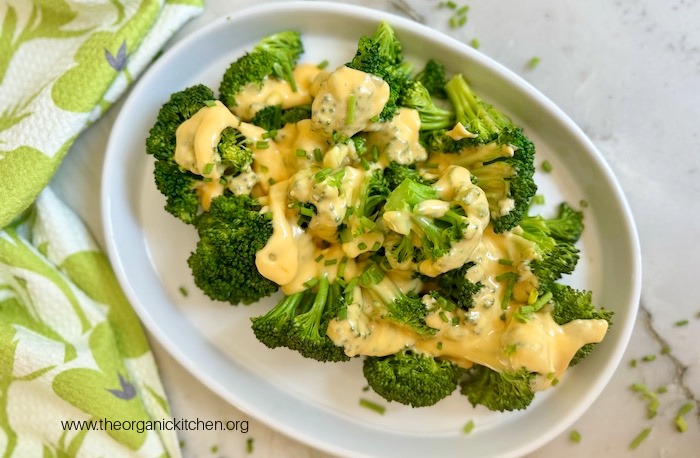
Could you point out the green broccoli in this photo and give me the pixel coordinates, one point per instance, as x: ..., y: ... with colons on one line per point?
x: 274, y: 56
x: 432, y: 77
x: 455, y: 286
x: 273, y: 117
x: 436, y: 234
x: 571, y: 304
x: 501, y: 157
x: 368, y: 201
x: 234, y: 151
x: 498, y: 390
x: 175, y: 183
x: 411, y: 378
x: 554, y: 242
x: 395, y: 173
x: 223, y: 263
x: 300, y: 320
x: 404, y: 308
x: 380, y: 55
x: 415, y: 95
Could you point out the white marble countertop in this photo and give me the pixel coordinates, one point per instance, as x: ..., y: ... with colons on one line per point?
x: 628, y: 74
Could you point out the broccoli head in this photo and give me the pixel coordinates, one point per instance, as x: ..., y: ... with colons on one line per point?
x: 571, y: 304
x: 273, y: 117
x: 176, y: 184
x: 415, y: 95
x: 498, y: 391
x: 234, y: 151
x: 554, y: 242
x: 300, y: 320
x: 275, y: 56
x: 455, y: 286
x: 432, y: 77
x: 223, y: 263
x: 411, y: 378
x: 395, y: 173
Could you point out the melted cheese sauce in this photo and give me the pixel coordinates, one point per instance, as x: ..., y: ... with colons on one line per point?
x: 397, y: 139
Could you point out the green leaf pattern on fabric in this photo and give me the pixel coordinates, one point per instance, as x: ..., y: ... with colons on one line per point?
x: 71, y: 347
x: 61, y: 65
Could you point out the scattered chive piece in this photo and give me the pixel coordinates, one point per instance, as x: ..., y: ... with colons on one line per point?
x: 376, y: 246
x: 682, y: 322
x: 575, y: 436
x: 665, y: 350
x: 463, y: 9
x: 633, y: 363
x: 681, y: 424
x: 451, y: 5
x: 270, y: 134
x: 310, y: 283
x: 453, y: 22
x: 639, y: 388
x: 214, y: 448
x: 341, y: 268
x: 306, y: 211
x: 505, y: 262
x: 317, y: 154
x: 372, y: 406
x: 323, y: 64
x: 268, y: 216
x: 648, y: 358
x: 262, y: 145
x: 546, y: 166
x: 462, y: 20
x: 330, y: 262
x: 652, y: 407
x: 686, y: 408
x: 534, y: 62
x: 583, y: 203
x: 210, y: 103
x: 208, y: 168
x: 271, y: 181
x: 362, y: 246
x: 364, y: 163
x: 264, y: 169
x: 455, y: 321
x: 443, y: 317
x: 301, y: 153
x: 249, y: 445
x: 537, y: 199
x: 184, y: 291
x: 318, y: 258
x: 439, y: 345
x: 555, y: 381
x: 661, y: 390
x: 375, y: 156
x: 640, y: 438
x: 222, y: 181
x: 365, y: 388
x: 207, y: 179
x: 475, y: 43
x: 511, y: 349
x: 350, y: 115
x: 468, y: 427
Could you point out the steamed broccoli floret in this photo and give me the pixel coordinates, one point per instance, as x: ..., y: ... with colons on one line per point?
x: 415, y: 95
x: 395, y: 173
x: 368, y: 201
x: 176, y: 184
x: 274, y: 117
x: 571, y: 304
x: 501, y: 157
x: 223, y: 263
x: 433, y: 78
x: 554, y: 242
x: 436, y: 234
x: 456, y: 287
x: 498, y: 390
x: 234, y: 151
x: 299, y: 322
x: 380, y: 55
x: 411, y: 378
x: 274, y: 56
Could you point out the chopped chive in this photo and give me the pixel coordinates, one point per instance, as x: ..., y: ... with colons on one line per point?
x: 662, y: 389
x: 652, y: 407
x: 686, y: 408
x: 461, y: 21
x: 210, y: 103
x: 648, y: 358
x: 682, y: 322
x: 270, y: 134
x: 306, y: 211
x: 633, y: 363
x: 310, y: 283
x: 443, y: 317
x: 214, y: 449
x: 439, y: 345
x: 505, y: 262
x: 532, y: 298
x: 575, y: 436
x: 317, y: 154
x: 534, y: 62
x: 267, y: 216
x: 681, y: 424
x: 271, y: 181
x: 330, y: 262
x: 362, y: 246
x: 453, y: 22
x: 538, y: 199
x: 341, y: 267
x: 207, y: 179
x: 451, y: 5
x: 364, y: 163
x: 431, y: 165
x: 350, y: 114
x: 323, y: 64
x: 665, y: 350
x: 318, y: 258
x: 264, y: 169
x: 376, y: 246
x: 249, y: 445
x: 222, y: 181
x: 639, y: 388
x: 372, y: 406
x: 467, y: 428
x: 640, y: 438
x: 301, y: 153
x: 583, y: 203
x: 262, y: 145
x: 511, y: 349
x: 463, y: 9
x: 547, y: 166
x: 455, y: 321
x: 184, y: 291
x: 555, y: 381
x: 208, y: 168
x: 474, y: 43
x: 375, y: 153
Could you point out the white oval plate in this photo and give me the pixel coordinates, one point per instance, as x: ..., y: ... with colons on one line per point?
x: 318, y: 403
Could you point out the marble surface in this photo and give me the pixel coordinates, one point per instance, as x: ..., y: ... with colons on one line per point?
x: 628, y: 73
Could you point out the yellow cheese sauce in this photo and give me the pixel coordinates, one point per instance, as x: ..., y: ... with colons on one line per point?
x: 305, y: 164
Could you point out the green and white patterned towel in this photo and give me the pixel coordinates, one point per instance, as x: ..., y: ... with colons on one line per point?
x: 71, y: 347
